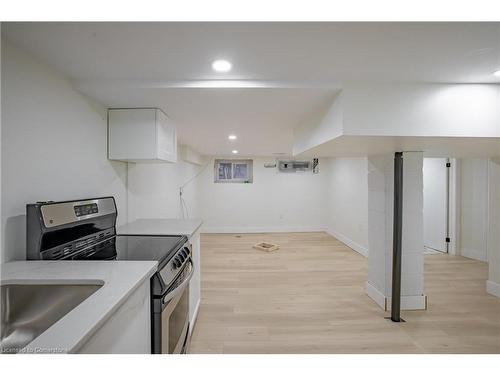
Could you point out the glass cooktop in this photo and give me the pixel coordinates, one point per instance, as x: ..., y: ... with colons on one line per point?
x: 156, y: 248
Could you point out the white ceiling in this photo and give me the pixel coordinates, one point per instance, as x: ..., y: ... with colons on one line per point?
x: 297, y: 67
x: 318, y: 52
x: 262, y: 118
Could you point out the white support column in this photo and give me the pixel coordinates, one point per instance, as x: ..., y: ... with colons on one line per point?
x: 493, y: 240
x: 380, y: 223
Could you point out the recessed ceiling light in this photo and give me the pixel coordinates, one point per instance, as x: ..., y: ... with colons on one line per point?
x: 232, y: 137
x: 221, y: 66
x: 235, y: 151
x: 497, y: 73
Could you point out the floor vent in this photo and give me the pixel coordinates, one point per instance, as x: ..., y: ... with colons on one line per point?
x: 265, y: 246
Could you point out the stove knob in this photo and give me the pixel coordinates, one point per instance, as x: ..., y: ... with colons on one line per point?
x: 184, y: 253
x: 181, y: 256
x: 177, y: 263
x: 187, y: 250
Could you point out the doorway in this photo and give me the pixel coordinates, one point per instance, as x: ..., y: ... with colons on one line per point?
x: 436, y: 205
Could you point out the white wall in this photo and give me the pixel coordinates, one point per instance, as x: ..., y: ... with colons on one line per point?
x: 273, y: 202
x: 474, y: 208
x: 334, y: 200
x: 439, y: 110
x: 1, y: 222
x: 153, y: 190
x: 347, y: 201
x: 53, y: 145
x: 379, y: 118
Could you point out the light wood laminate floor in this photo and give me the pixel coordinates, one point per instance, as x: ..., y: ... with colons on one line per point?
x: 308, y: 297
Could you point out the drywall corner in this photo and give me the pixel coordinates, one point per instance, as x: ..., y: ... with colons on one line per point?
x: 323, y: 128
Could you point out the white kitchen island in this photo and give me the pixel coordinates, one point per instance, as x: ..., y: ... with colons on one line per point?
x: 114, y: 319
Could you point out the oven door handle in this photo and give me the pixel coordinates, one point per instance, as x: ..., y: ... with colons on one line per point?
x: 181, y: 286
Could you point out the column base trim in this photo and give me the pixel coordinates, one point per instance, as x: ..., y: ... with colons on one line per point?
x: 407, y: 302
x: 493, y: 288
x: 375, y: 295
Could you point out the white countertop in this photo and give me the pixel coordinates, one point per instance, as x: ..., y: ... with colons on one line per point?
x: 161, y: 227
x: 119, y: 279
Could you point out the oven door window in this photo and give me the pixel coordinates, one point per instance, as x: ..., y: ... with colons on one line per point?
x: 175, y: 323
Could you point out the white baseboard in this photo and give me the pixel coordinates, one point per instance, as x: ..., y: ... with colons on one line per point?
x: 246, y: 229
x: 347, y: 241
x: 375, y: 295
x: 407, y: 302
x: 493, y: 288
x: 473, y: 254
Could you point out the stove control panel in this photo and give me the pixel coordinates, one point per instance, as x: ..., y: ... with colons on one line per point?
x: 86, y: 209
x: 61, y: 213
x: 175, y: 265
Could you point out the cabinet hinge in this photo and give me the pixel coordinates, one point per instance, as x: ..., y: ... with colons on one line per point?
x: 447, y: 239
x: 448, y: 165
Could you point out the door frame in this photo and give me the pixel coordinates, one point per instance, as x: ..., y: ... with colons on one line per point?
x: 454, y: 196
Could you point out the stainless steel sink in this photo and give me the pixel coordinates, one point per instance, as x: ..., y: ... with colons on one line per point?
x: 27, y: 310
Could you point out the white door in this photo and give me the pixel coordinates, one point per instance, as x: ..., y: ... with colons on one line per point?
x: 435, y: 203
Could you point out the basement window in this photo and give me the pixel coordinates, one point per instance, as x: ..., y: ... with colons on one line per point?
x: 233, y: 171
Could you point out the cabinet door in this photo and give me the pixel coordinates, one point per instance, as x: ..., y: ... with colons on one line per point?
x: 127, y: 330
x: 166, y: 138
x: 131, y: 134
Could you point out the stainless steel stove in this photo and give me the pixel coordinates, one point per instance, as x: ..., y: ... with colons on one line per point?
x: 86, y: 230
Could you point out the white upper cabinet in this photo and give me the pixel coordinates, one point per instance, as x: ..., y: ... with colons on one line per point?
x: 141, y: 135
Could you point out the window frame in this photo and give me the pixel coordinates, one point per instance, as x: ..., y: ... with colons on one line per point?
x: 248, y: 180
